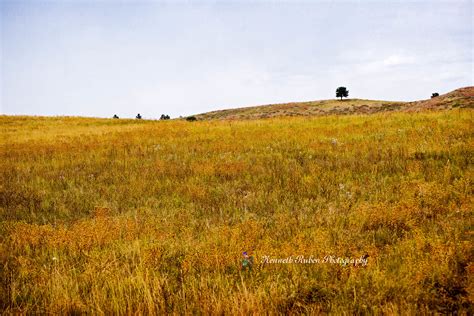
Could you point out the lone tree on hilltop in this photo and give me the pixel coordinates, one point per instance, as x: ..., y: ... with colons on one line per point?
x: 342, y: 92
x: 164, y: 117
x: 434, y: 95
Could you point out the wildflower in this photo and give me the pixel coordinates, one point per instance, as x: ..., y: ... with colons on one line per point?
x: 247, y: 262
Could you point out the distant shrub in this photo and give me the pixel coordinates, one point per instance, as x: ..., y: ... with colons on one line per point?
x: 434, y: 95
x: 115, y: 116
x: 138, y: 117
x: 164, y: 117
x: 191, y: 119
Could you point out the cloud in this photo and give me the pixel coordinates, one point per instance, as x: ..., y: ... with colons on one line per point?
x: 398, y: 60
x: 384, y: 64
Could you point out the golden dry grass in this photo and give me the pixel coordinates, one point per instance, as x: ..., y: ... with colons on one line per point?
x: 123, y: 216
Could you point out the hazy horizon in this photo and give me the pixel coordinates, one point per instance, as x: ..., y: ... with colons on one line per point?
x: 85, y: 58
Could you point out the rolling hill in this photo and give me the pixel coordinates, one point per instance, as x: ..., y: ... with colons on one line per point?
x: 463, y: 98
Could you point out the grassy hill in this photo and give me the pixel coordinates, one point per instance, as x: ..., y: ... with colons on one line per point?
x: 463, y: 97
x: 106, y: 216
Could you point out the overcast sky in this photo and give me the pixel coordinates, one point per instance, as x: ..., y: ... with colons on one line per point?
x: 99, y: 58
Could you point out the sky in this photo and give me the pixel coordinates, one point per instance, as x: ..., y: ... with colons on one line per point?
x: 100, y: 58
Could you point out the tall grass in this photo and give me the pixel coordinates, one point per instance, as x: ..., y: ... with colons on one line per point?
x: 121, y: 216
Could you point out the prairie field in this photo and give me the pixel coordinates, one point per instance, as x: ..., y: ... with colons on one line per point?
x: 105, y: 216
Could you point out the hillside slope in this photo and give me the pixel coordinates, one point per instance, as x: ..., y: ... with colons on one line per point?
x: 463, y: 97
x: 459, y: 98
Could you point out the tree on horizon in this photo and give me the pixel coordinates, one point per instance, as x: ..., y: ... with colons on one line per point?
x: 342, y: 92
